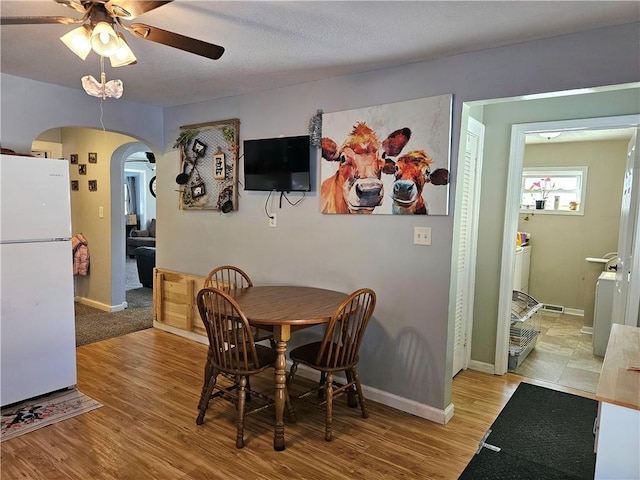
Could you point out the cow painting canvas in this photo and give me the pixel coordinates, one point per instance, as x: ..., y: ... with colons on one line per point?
x: 387, y: 159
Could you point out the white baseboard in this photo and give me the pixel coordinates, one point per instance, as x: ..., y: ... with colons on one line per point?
x: 562, y: 309
x: 587, y: 330
x: 101, y: 306
x: 182, y: 333
x: 482, y: 367
x: 390, y: 400
x: 409, y: 406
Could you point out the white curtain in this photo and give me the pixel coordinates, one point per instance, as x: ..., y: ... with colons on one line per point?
x: 130, y: 196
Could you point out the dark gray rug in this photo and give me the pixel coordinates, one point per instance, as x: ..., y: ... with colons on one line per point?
x: 93, y: 325
x: 542, y: 434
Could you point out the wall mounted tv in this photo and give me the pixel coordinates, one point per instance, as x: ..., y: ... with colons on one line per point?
x: 281, y: 164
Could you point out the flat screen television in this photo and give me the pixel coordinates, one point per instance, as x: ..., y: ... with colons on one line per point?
x: 281, y: 164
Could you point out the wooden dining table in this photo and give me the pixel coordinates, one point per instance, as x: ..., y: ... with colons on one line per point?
x: 286, y: 309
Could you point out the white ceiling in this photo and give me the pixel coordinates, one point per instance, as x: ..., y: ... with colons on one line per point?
x: 271, y: 44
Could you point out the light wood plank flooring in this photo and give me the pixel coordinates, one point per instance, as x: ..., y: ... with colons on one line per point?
x: 149, y: 382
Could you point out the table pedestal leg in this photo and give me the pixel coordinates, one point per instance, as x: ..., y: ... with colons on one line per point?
x: 281, y: 336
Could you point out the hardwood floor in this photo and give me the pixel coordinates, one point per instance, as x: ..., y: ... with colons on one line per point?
x: 149, y: 383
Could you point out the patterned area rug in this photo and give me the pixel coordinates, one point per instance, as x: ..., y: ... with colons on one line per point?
x: 40, y: 412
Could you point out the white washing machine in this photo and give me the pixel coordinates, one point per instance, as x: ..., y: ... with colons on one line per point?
x: 602, y: 312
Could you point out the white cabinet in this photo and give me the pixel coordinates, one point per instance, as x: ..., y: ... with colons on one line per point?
x: 521, y: 270
x: 618, y: 423
x: 617, y: 442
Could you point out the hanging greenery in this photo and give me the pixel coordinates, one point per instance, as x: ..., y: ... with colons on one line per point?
x: 185, y: 138
x: 315, y: 129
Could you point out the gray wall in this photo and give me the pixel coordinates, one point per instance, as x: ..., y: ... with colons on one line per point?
x: 407, y: 351
x: 30, y: 108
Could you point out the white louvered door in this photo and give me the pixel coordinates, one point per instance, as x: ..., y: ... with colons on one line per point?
x: 467, y: 232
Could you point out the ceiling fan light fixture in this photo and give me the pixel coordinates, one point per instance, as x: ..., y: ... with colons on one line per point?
x: 78, y: 41
x: 124, y: 55
x: 550, y: 135
x: 104, y: 40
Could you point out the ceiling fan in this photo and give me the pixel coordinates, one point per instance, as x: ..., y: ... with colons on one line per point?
x: 97, y: 30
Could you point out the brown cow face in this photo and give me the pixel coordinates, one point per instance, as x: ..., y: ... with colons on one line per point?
x: 356, y: 187
x: 411, y: 173
x: 360, y: 179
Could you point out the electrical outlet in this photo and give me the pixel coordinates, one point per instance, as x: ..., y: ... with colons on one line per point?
x: 272, y: 220
x: 101, y: 212
x: 422, y: 235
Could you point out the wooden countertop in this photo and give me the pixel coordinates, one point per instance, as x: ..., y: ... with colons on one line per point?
x: 618, y: 385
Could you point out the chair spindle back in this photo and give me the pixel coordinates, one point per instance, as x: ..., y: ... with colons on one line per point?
x: 227, y: 278
x: 230, y: 337
x: 344, y: 332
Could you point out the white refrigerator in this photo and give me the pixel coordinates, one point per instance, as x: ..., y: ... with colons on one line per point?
x: 37, y: 320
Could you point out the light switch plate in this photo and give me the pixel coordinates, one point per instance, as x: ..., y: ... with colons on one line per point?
x: 422, y: 235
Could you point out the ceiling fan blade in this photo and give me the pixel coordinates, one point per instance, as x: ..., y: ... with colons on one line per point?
x: 39, y: 20
x: 176, y: 40
x: 129, y: 9
x: 74, y: 4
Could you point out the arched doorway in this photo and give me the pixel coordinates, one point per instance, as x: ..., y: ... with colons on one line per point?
x: 128, y: 160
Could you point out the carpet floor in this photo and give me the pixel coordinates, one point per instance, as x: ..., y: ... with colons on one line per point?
x: 93, y: 325
x: 541, y: 433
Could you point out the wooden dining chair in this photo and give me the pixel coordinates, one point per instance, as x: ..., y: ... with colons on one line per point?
x: 228, y: 278
x: 232, y: 351
x: 338, y: 352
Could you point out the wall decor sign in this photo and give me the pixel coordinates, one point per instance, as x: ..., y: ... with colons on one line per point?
x: 73, y: 159
x: 208, y: 165
x: 93, y: 157
x: 75, y: 185
x: 219, y: 170
x: 387, y: 159
x: 93, y: 185
x: 82, y: 169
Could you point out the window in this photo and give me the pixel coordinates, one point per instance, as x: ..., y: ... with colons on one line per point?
x: 563, y: 189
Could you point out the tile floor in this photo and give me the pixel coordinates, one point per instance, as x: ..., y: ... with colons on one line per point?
x: 563, y: 355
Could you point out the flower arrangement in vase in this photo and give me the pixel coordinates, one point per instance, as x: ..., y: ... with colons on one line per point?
x: 544, y: 186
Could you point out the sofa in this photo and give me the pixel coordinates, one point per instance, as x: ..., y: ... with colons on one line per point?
x: 141, y: 238
x: 146, y: 262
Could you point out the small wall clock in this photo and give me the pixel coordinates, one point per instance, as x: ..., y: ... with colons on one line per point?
x: 152, y: 186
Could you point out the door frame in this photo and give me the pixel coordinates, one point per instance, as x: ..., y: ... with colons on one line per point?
x: 629, y: 313
x: 118, y: 237
x: 512, y: 207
